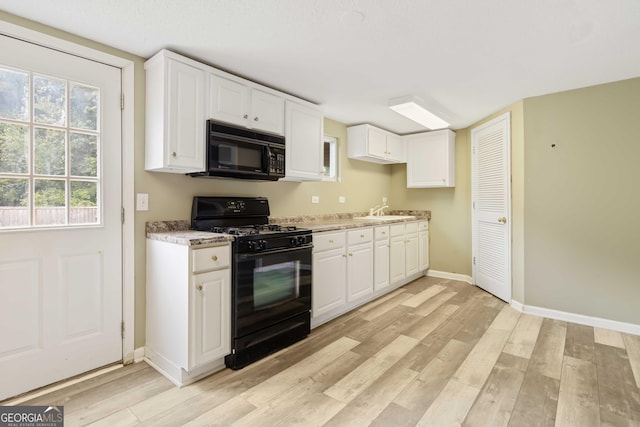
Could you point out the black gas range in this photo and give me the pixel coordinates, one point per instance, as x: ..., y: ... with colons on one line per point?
x: 271, y: 275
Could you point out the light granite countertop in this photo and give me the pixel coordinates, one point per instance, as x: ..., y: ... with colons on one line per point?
x: 178, y: 232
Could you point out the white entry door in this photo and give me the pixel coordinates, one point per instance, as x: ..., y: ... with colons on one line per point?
x: 491, y: 196
x: 60, y: 220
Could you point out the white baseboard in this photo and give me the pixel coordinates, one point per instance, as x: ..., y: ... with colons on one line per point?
x: 450, y: 276
x: 138, y: 355
x: 596, y: 322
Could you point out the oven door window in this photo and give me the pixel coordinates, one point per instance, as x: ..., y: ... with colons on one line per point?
x: 275, y: 284
x: 270, y: 287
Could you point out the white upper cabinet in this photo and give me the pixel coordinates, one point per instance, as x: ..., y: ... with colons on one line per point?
x: 228, y: 100
x: 431, y: 159
x: 236, y: 102
x: 182, y: 94
x: 372, y: 144
x: 267, y: 112
x: 175, y: 115
x: 304, y: 130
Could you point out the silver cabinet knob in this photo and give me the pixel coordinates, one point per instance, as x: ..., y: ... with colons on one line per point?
x: 199, y: 287
x: 255, y: 119
x: 502, y: 220
x: 246, y: 116
x: 214, y: 258
x: 173, y: 154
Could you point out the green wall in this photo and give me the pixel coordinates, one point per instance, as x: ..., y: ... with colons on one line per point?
x: 582, y: 228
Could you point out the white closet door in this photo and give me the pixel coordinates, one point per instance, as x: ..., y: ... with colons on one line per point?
x: 491, y: 195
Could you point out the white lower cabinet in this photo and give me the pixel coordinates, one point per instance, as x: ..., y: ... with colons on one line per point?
x: 412, y: 256
x: 381, y: 258
x: 359, y: 263
x: 211, y: 305
x: 329, y: 288
x: 423, y: 241
x: 397, y: 250
x: 342, y: 269
x: 188, y: 309
x: 352, y: 267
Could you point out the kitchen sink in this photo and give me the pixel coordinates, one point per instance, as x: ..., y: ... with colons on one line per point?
x: 384, y: 217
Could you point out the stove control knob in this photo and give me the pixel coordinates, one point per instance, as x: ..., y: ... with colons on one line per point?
x: 262, y: 245
x: 251, y: 246
x: 294, y: 241
x: 301, y: 240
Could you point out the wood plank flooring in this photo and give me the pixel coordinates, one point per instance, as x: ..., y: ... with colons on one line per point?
x: 432, y: 353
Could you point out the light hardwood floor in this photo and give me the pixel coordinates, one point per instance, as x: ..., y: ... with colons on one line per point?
x: 434, y: 352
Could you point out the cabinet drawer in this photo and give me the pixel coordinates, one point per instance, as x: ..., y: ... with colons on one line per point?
x: 382, y: 232
x: 210, y: 258
x: 397, y: 230
x: 423, y: 225
x: 411, y: 227
x: 326, y: 241
x: 361, y: 235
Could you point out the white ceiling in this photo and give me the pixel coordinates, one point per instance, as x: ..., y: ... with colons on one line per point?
x: 466, y: 59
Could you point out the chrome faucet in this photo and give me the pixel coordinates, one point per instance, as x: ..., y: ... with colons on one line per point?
x: 378, y: 210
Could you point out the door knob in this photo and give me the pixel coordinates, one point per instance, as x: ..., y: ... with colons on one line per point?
x: 502, y: 220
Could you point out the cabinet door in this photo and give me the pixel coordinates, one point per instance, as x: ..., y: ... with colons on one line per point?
x: 431, y: 159
x: 329, y: 290
x: 394, y: 148
x: 304, y: 136
x: 359, y: 271
x: 412, y: 260
x: 267, y: 112
x: 423, y: 240
x: 396, y: 259
x: 210, y: 321
x: 381, y: 264
x: 377, y: 142
x: 228, y: 100
x: 185, y: 136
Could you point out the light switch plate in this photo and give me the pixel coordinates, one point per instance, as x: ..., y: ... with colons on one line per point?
x: 342, y: 199
x: 315, y: 199
x: 142, y: 202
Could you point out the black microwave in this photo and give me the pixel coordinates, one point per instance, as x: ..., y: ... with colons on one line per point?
x: 235, y: 152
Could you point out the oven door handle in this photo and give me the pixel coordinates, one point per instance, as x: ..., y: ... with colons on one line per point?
x: 273, y: 252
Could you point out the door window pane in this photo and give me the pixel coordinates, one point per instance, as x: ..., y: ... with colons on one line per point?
x: 14, y: 202
x: 84, y: 107
x: 83, y: 203
x: 49, y: 156
x: 49, y: 151
x: 14, y: 95
x: 49, y: 101
x: 14, y: 148
x: 84, y: 154
x: 50, y: 200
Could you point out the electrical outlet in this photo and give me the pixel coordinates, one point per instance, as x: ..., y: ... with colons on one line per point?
x: 142, y: 202
x: 384, y: 200
x: 342, y: 199
x: 315, y: 199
